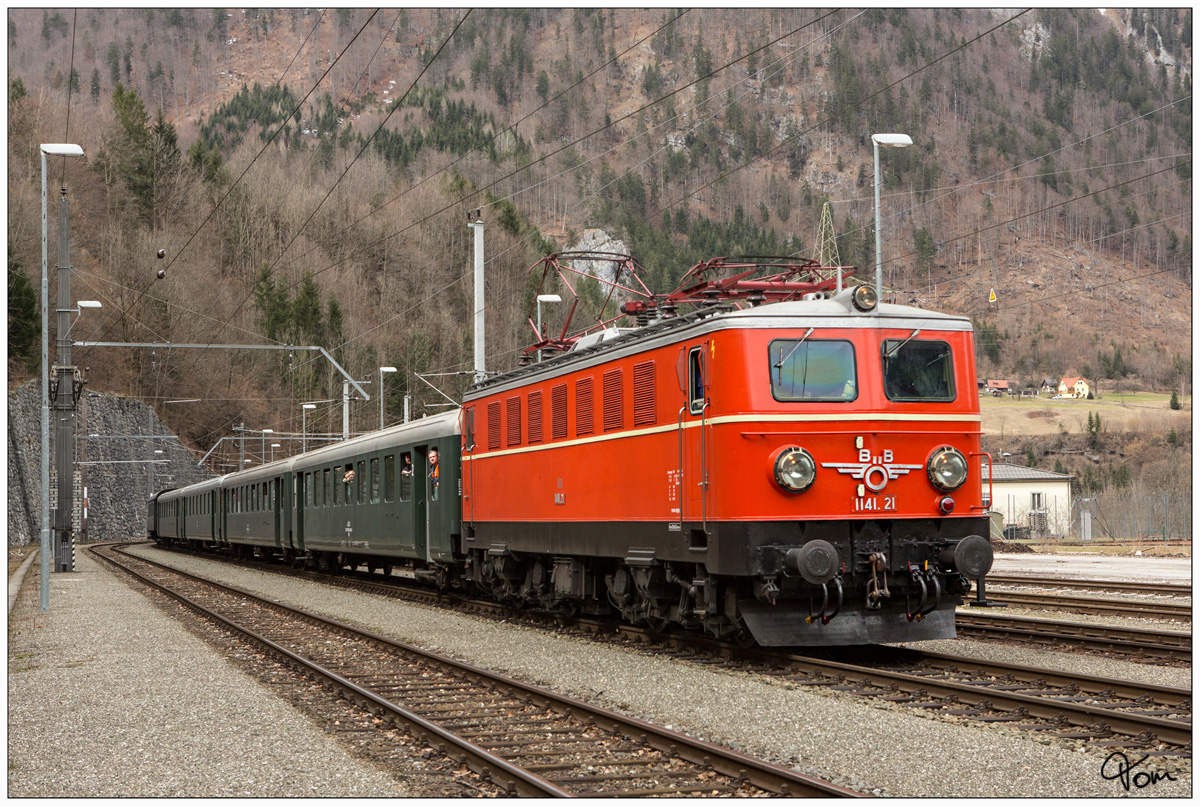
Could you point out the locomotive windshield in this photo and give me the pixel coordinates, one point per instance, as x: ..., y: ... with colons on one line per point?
x: 812, y: 370
x: 917, y: 370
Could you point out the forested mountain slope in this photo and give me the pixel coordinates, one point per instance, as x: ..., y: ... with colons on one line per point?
x: 306, y: 173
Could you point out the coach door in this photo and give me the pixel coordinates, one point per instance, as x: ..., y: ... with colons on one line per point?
x: 420, y: 503
x: 694, y: 448
x: 277, y: 508
x: 301, y: 485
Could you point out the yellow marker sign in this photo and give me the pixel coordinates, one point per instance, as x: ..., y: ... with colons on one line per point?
x: 992, y: 298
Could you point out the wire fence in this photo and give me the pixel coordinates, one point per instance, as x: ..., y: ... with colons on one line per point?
x: 1133, y: 515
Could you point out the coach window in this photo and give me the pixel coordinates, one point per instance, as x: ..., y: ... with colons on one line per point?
x: 308, y: 490
x: 804, y: 369
x: 338, y: 485
x: 389, y: 477
x: 918, y: 370
x: 696, y: 380
x: 361, y: 478
x: 406, y: 476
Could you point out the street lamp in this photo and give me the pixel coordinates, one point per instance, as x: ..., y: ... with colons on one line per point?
x: 540, y: 299
x: 887, y: 141
x: 265, y: 431
x: 304, y: 425
x: 58, y: 150
x: 274, y: 445
x: 381, y: 395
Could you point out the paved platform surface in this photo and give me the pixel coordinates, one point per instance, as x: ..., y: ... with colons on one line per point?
x: 1176, y: 570
x: 108, y: 696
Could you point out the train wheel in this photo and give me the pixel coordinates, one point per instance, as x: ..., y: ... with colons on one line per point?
x: 657, y: 624
x: 387, y: 569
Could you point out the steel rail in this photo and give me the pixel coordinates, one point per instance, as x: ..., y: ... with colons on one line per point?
x: 1076, y: 713
x: 1171, y: 696
x: 756, y: 772
x: 1111, y: 585
x: 524, y: 782
x: 1080, y: 604
x: 1126, y: 640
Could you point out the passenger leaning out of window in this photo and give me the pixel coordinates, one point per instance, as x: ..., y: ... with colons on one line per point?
x: 433, y: 472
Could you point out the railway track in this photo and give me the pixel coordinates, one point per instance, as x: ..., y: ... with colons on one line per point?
x: 1110, y: 586
x: 522, y: 739
x: 1168, y: 611
x: 1142, y: 644
x: 1110, y: 713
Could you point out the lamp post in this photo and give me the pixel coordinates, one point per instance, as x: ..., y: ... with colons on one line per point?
x: 304, y: 409
x: 540, y: 299
x: 265, y: 431
x: 274, y: 445
x: 887, y: 141
x: 381, y: 371
x: 63, y: 150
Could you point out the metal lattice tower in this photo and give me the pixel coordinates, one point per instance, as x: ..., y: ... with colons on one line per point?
x: 827, y: 240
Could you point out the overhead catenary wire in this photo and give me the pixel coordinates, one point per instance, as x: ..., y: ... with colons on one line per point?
x: 569, y: 145
x: 494, y: 137
x: 70, y: 86
x: 364, y: 147
x: 296, y: 178
x: 579, y: 203
x: 235, y: 183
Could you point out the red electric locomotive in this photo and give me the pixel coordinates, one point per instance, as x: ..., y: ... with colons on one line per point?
x: 771, y: 457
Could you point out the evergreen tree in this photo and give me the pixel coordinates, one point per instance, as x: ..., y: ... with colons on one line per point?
x: 1174, y: 401
x: 273, y: 304
x: 95, y: 85
x: 24, y: 323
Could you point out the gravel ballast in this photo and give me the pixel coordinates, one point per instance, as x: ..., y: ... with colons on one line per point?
x: 876, y: 747
x: 108, y: 696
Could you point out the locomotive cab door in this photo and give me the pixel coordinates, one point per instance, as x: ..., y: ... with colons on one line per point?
x: 694, y: 449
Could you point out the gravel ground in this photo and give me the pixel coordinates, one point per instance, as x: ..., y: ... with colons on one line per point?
x: 875, y: 747
x: 124, y: 702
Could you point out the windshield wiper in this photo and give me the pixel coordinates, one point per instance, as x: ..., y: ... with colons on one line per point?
x: 779, y: 364
x: 896, y: 349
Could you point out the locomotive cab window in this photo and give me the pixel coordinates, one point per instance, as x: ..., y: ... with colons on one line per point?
x: 696, y: 382
x: 803, y: 369
x: 918, y: 370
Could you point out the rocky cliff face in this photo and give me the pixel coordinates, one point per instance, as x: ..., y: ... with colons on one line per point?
x: 115, y: 441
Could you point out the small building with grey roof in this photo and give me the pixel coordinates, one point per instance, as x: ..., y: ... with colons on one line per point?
x: 1036, y: 502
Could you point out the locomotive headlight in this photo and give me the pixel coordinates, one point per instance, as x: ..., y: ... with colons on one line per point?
x: 947, y: 468
x: 795, y: 470
x: 864, y: 298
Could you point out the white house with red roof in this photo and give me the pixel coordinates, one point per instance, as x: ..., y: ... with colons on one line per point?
x: 1075, y: 387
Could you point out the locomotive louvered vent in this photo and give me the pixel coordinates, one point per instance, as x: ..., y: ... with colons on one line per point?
x: 558, y: 411
x: 643, y: 394
x: 613, y: 399
x: 493, y: 425
x: 584, y: 423
x: 535, y: 416
x: 514, y: 421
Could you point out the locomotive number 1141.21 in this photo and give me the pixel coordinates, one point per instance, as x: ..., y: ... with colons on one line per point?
x: 886, y: 503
